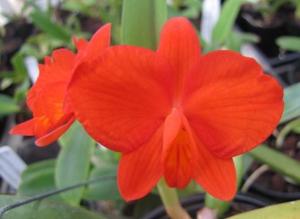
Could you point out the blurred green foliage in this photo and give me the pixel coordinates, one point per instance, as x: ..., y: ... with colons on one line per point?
x: 187, y: 8
x: 54, y: 31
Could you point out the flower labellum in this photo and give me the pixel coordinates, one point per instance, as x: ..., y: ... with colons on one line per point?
x: 176, y: 113
x: 47, y: 99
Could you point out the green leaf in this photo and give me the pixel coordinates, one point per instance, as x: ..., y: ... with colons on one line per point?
x: 105, y: 156
x: 289, y: 210
x: 296, y: 129
x: 105, y: 190
x: 192, y: 9
x: 142, y: 21
x: 291, y: 103
x: 289, y: 43
x: 73, y: 162
x: 20, y: 72
x: 21, y: 91
x: 38, y: 167
x: 224, y: 26
x: 7, y: 105
x: 37, y: 178
x: 45, y: 209
x: 297, y: 12
x: 236, y: 39
x: 291, y: 126
x: 41, y: 44
x: 278, y: 162
x: 42, y: 21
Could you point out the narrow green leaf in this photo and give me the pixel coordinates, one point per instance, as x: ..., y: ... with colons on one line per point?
x: 226, y: 21
x: 73, y: 162
x: 191, y: 9
x: 296, y: 129
x: 236, y: 39
x: 7, y: 105
x: 20, y: 72
x: 289, y: 210
x: 105, y: 190
x: 37, y: 178
x: 289, y: 43
x: 42, y: 21
x: 142, y: 21
x: 45, y: 209
x: 277, y: 161
x: 291, y: 103
x: 291, y: 126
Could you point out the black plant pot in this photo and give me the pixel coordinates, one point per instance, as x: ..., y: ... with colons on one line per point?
x: 275, y: 195
x: 195, y: 203
x: 292, y: 22
x: 293, y: 27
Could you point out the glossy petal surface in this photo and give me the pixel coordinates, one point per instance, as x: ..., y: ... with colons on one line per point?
x: 46, y: 96
x: 231, y: 104
x: 215, y: 175
x: 138, y: 172
x: 95, y: 47
x: 52, y: 136
x: 179, y: 44
x: 122, y: 98
x: 46, y: 99
x: 25, y: 128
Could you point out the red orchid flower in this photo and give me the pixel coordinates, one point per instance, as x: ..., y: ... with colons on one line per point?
x: 175, y: 113
x: 52, y: 113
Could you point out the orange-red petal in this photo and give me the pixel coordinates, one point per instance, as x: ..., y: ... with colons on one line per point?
x: 231, y: 104
x: 215, y: 175
x: 79, y: 43
x: 180, y: 45
x: 46, y: 99
x: 122, y: 97
x: 95, y: 47
x: 53, y: 135
x: 25, y: 128
x: 140, y: 170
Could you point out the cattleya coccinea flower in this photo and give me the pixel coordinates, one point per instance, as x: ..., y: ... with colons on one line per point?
x: 52, y: 113
x: 175, y: 113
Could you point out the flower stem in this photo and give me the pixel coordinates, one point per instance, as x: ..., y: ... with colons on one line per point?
x: 171, y: 202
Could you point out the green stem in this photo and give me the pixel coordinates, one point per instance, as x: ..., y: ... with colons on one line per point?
x: 171, y: 202
x: 297, y: 13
